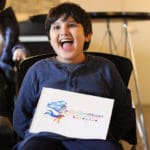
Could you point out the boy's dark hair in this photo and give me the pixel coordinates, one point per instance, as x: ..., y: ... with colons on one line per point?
x: 70, y: 9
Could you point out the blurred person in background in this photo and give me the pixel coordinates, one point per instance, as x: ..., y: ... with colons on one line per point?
x: 11, y: 52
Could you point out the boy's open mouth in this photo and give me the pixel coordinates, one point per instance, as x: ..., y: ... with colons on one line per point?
x: 66, y: 44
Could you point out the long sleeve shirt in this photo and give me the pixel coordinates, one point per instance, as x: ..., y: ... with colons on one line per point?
x: 96, y: 76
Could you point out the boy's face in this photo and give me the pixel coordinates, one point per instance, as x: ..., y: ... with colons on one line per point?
x: 67, y: 39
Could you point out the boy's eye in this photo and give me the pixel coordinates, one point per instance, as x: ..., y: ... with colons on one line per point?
x: 55, y: 27
x: 72, y: 25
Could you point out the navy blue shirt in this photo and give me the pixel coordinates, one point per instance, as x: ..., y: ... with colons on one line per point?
x: 96, y: 76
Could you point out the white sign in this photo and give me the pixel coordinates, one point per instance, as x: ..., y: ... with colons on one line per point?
x: 72, y: 114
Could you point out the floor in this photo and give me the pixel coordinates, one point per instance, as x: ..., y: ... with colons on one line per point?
x: 140, y: 145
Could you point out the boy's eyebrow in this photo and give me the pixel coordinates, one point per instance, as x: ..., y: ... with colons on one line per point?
x: 69, y: 21
x: 72, y: 21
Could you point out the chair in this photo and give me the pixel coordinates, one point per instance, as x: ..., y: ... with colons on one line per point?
x: 124, y: 66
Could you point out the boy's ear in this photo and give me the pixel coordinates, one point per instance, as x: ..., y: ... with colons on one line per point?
x: 88, y: 37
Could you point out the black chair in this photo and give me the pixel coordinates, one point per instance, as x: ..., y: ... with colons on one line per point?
x: 123, y: 64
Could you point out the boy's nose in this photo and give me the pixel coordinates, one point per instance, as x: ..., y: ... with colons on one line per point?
x: 64, y: 34
x: 64, y: 30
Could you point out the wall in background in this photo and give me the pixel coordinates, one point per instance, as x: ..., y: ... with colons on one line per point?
x: 27, y: 8
x: 140, y: 31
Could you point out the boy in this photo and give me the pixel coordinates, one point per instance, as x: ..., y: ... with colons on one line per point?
x: 69, y: 30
